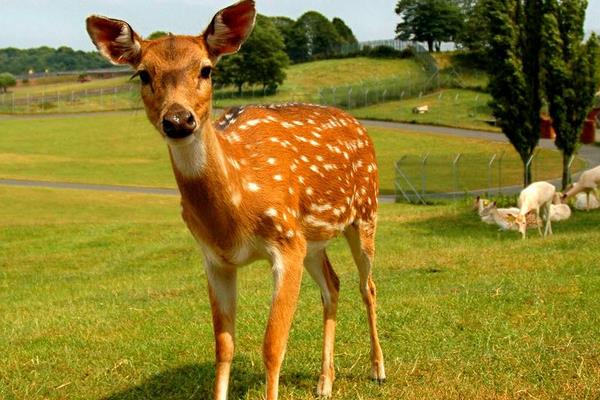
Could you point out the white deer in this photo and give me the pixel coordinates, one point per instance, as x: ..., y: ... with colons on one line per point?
x: 588, y: 182
x: 537, y: 198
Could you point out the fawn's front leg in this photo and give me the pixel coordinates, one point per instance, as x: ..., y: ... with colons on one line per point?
x: 287, y: 274
x: 222, y: 293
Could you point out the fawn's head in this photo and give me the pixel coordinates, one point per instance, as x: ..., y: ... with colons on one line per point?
x: 175, y: 70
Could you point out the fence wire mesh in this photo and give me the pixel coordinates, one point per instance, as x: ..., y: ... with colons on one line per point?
x: 426, y: 178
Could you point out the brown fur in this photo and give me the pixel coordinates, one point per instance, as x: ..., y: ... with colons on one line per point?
x: 270, y: 182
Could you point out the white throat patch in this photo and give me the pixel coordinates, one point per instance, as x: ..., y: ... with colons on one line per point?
x: 188, y: 155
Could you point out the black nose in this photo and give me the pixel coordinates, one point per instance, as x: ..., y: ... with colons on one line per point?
x: 178, y: 122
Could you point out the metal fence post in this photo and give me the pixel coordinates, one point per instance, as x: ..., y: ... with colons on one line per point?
x: 528, y: 166
x: 455, y: 172
x: 490, y: 179
x: 350, y: 97
x: 500, y: 172
x: 424, y: 174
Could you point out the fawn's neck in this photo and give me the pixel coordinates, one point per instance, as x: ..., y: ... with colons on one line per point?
x: 207, y: 187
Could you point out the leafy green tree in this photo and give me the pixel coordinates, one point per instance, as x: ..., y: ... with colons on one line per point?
x: 321, y: 36
x: 431, y: 21
x: 6, y: 80
x: 17, y: 61
x: 261, y: 60
x: 344, y: 31
x: 294, y: 37
x: 515, y: 32
x: 569, y: 74
x: 475, y: 34
x: 156, y: 35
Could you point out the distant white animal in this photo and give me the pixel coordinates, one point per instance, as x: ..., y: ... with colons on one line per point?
x: 505, y: 217
x: 536, y: 198
x: 581, y: 201
x: 559, y: 212
x: 588, y: 182
x: 481, y: 205
x: 420, y: 109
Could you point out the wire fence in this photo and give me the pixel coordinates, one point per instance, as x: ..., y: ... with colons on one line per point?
x: 421, y: 179
x: 89, y: 99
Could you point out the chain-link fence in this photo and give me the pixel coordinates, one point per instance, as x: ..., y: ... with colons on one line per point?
x: 426, y: 178
x: 90, y: 99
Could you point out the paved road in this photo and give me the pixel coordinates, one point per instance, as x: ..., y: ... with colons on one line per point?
x: 588, y: 152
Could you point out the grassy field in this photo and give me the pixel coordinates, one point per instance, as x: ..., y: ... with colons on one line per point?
x: 124, y: 149
x: 450, y: 107
x: 66, y: 87
x: 103, y: 296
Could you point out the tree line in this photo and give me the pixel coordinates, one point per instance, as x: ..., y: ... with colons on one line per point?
x: 274, y: 43
x: 21, y: 61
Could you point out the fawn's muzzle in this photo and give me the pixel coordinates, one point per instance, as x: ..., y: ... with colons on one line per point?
x: 178, y: 122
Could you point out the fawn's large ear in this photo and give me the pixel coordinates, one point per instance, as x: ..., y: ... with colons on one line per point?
x: 115, y: 40
x: 229, y: 28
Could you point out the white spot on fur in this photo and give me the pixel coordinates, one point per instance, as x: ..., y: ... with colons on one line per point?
x: 278, y: 178
x: 271, y: 161
x: 271, y: 212
x: 253, y: 187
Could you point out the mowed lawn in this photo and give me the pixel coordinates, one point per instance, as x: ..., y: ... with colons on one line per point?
x: 102, y: 295
x: 123, y: 148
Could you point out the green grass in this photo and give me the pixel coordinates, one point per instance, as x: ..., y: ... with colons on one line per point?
x: 103, y: 296
x: 450, y: 107
x: 125, y: 149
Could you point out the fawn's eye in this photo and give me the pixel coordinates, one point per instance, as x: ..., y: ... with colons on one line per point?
x: 143, y: 75
x: 205, y: 72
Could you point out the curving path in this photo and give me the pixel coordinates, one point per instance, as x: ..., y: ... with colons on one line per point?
x: 590, y: 153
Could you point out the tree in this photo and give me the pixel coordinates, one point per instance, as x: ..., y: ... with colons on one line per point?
x: 475, y: 33
x: 431, y: 21
x: 515, y: 39
x: 294, y: 38
x: 344, y: 31
x: 569, y: 74
x: 156, y: 35
x: 322, y: 39
x: 261, y: 60
x: 6, y: 80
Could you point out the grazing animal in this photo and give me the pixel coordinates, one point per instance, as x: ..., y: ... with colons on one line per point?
x: 588, y: 182
x: 271, y: 182
x: 481, y: 205
x: 536, y: 197
x: 487, y: 213
x: 505, y: 217
x: 559, y: 212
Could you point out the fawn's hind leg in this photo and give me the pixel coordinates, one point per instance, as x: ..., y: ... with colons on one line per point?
x: 361, y: 239
x: 318, y: 266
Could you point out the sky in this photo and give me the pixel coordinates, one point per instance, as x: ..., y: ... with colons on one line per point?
x: 54, y: 23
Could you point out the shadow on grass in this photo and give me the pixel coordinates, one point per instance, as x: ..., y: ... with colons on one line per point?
x: 193, y: 382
